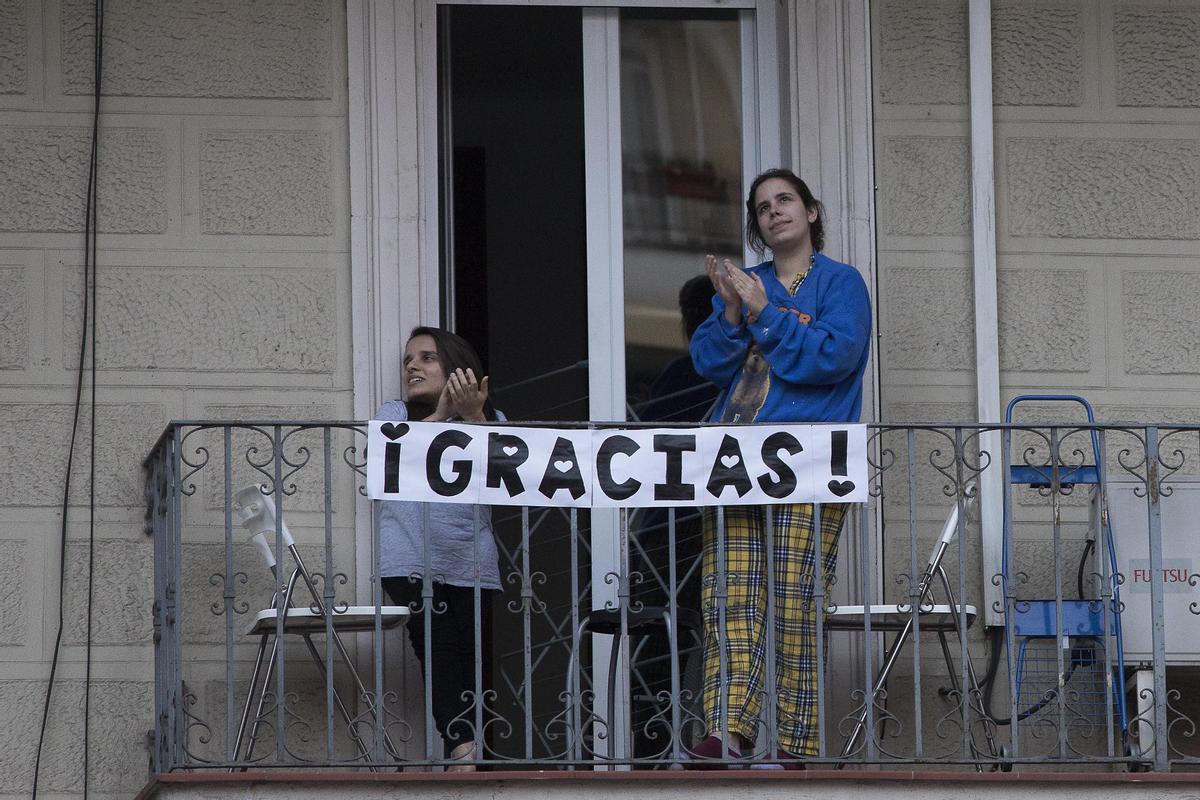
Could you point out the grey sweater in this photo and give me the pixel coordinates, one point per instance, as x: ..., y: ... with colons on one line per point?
x: 406, y: 527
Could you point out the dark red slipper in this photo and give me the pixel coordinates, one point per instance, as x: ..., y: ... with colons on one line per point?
x: 705, y: 755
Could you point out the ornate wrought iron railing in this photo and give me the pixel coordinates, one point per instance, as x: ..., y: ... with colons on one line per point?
x: 1093, y: 642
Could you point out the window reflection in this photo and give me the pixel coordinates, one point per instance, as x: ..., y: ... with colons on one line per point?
x: 681, y: 170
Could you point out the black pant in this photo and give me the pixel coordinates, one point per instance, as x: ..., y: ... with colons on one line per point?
x: 452, y: 646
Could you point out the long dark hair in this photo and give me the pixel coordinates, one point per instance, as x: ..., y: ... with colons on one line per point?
x: 816, y: 229
x: 454, y: 352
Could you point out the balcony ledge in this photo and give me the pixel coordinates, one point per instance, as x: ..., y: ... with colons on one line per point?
x: 852, y: 784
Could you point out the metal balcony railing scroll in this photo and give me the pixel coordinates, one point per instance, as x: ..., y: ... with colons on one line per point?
x: 275, y: 646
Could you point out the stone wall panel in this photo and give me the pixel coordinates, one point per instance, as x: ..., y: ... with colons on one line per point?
x: 14, y: 319
x: 923, y: 57
x: 121, y: 713
x: 303, y: 455
x: 14, y: 48
x: 266, y: 182
x: 1044, y: 323
x: 14, y: 592
x: 1158, y: 57
x: 123, y: 595
x: 1037, y: 54
x: 1103, y: 188
x: 927, y: 321
x: 276, y: 49
x: 221, y: 320
x: 202, y: 614
x: 925, y: 184
x: 44, y: 171
x: 1159, y: 310
x: 36, y: 436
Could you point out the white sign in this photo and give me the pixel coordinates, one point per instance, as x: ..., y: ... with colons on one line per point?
x: 438, y: 462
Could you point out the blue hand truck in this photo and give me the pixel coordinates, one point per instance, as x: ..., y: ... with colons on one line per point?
x: 1042, y: 628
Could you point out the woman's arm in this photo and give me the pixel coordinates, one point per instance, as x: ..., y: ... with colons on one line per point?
x: 719, y: 348
x: 825, y: 351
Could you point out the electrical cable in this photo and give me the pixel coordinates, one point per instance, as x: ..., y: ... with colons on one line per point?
x: 89, y: 300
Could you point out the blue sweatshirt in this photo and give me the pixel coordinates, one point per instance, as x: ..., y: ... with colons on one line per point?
x: 816, y: 367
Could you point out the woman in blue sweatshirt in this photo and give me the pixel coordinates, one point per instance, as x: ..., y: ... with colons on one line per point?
x: 788, y: 341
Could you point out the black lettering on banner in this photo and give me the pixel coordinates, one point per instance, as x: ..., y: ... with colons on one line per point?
x: 674, y: 445
x: 391, y: 467
x: 780, y: 440
x: 604, y: 456
x: 391, y: 455
x: 729, y: 469
x: 838, y: 445
x: 505, y: 453
x: 433, y: 459
x: 562, y: 471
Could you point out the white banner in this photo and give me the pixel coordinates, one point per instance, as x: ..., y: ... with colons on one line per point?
x: 439, y: 462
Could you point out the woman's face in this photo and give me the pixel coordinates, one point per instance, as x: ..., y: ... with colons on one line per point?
x: 424, y: 376
x: 782, y: 217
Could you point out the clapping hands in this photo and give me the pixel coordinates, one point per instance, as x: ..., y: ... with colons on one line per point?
x: 736, y: 288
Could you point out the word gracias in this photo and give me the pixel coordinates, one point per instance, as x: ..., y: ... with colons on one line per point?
x: 459, y: 463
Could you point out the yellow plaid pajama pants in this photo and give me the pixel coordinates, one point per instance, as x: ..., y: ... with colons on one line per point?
x: 743, y: 638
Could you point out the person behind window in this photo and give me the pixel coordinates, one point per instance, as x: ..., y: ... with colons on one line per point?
x: 443, y: 381
x: 787, y: 341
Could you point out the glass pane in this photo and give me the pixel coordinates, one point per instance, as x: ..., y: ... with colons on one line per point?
x: 681, y: 164
x: 515, y: 217
x: 513, y: 230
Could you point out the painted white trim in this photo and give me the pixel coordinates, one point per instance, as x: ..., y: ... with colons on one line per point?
x: 429, y: 255
x: 987, y: 340
x: 605, y: 303
x: 374, y: 31
x: 752, y: 159
x: 833, y: 150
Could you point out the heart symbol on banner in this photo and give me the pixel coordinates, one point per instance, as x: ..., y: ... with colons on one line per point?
x: 841, y: 488
x: 563, y: 466
x: 393, y: 432
x: 730, y: 461
x: 510, y: 451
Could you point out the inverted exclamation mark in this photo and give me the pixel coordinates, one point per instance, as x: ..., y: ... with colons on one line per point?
x: 838, y: 441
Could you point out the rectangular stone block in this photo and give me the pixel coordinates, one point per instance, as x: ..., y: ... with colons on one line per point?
x: 1044, y: 323
x: 14, y: 48
x: 302, y: 460
x: 923, y: 54
x: 1037, y: 55
x: 266, y: 182
x: 915, y: 338
x: 44, y: 171
x: 122, y: 595
x: 1158, y: 314
x: 219, y: 320
x: 14, y: 319
x: 121, y: 713
x: 202, y: 613
x: 1103, y: 188
x: 277, y: 49
x: 926, y: 186
x: 306, y: 715
x: 14, y: 592
x: 1178, y: 454
x: 33, y: 461
x: 1158, y: 56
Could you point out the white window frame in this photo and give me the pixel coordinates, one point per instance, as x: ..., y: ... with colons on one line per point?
x: 799, y: 56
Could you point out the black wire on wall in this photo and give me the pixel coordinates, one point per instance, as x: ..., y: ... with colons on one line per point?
x: 87, y: 342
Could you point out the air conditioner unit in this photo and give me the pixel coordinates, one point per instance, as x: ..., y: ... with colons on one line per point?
x: 1179, y: 573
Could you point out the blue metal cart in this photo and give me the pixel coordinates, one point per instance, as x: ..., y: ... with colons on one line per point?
x: 1062, y: 644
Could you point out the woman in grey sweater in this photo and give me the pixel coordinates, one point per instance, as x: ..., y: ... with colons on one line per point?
x: 443, y: 380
